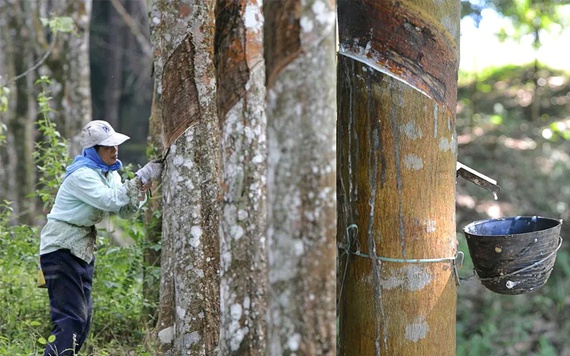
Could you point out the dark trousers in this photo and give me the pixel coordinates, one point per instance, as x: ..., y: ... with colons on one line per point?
x: 68, y: 280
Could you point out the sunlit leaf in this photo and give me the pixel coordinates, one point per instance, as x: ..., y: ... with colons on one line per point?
x: 496, y: 119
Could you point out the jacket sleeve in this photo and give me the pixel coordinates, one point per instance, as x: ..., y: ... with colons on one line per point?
x: 90, y: 188
x: 135, y: 202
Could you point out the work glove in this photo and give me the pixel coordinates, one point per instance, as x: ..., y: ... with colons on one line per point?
x: 151, y: 171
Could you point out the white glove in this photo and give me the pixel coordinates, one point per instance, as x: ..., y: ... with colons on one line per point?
x: 151, y: 171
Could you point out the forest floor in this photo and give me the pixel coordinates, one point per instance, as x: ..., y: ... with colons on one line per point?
x: 519, y: 136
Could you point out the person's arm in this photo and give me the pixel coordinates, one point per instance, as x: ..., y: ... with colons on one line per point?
x: 90, y: 189
x: 141, y: 182
x: 137, y: 197
x: 137, y: 187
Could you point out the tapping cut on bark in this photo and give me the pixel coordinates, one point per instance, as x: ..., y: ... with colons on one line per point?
x: 405, y: 42
x: 180, y: 96
x: 397, y: 147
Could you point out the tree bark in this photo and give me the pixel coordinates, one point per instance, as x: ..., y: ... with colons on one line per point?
x: 397, y: 70
x: 68, y: 68
x: 114, y: 65
x: 153, y: 219
x: 299, y: 51
x: 28, y: 49
x: 121, y: 59
x: 182, y: 37
x: 241, y: 107
x: 17, y: 55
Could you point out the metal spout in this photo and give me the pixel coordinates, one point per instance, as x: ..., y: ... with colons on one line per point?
x: 475, y: 177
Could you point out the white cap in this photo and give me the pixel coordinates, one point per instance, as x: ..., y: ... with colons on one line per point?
x: 100, y: 133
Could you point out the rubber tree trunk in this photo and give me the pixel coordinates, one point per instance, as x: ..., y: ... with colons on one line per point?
x: 397, y: 70
x: 18, y: 50
x: 115, y: 59
x: 182, y: 34
x: 299, y: 51
x: 68, y: 67
x: 241, y: 108
x: 153, y: 217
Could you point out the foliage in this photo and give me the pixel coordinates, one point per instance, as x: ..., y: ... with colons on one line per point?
x: 3, y: 129
x: 4, y: 94
x: 59, y: 24
x: 18, y: 266
x: 528, y: 17
x: 509, y: 92
x: 51, y: 153
x: 117, y: 293
x: 118, y: 296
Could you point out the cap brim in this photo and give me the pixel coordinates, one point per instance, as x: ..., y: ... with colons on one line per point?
x: 114, y: 140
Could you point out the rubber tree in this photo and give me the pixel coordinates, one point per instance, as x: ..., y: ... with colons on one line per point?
x: 299, y: 51
x: 17, y: 56
x: 121, y: 61
x: 182, y: 34
x: 153, y: 216
x: 68, y: 66
x: 397, y: 84
x: 29, y: 49
x: 241, y: 109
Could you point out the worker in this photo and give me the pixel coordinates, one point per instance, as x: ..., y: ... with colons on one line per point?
x: 91, y: 188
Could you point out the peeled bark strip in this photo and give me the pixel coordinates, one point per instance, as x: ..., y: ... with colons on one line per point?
x: 396, y: 190
x: 182, y: 37
x: 299, y: 44
x: 241, y: 104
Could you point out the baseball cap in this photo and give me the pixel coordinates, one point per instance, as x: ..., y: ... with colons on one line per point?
x: 99, y: 132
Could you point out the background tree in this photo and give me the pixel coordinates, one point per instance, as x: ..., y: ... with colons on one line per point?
x: 121, y: 71
x: 182, y: 37
x: 17, y: 175
x: 397, y: 82
x: 153, y: 219
x: 28, y: 47
x: 299, y: 46
x: 67, y: 66
x: 240, y: 74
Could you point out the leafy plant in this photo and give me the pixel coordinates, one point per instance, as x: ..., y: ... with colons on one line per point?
x: 59, y: 24
x: 4, y: 93
x: 51, y: 153
x: 18, y: 263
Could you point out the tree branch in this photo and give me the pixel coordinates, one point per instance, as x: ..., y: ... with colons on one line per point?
x: 37, y: 64
x: 134, y: 27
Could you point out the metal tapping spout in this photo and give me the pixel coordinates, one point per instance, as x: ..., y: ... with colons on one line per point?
x: 477, y: 178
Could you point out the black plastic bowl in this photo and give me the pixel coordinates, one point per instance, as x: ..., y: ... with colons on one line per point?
x: 514, y: 255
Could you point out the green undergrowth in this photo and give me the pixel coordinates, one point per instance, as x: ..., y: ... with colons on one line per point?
x: 118, y: 301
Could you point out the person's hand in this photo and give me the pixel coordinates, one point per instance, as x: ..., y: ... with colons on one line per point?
x: 146, y: 186
x: 151, y: 171
x: 143, y: 189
